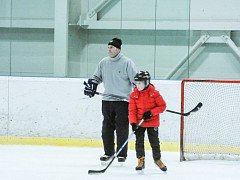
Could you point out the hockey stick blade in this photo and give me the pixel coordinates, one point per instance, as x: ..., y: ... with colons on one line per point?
x: 199, y: 105
x: 92, y: 172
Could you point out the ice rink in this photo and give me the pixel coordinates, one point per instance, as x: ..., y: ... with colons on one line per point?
x: 73, y: 163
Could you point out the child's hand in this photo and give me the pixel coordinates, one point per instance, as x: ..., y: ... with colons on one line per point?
x: 147, y: 115
x: 134, y: 128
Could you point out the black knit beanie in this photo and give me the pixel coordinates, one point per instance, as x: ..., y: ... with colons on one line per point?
x: 116, y: 43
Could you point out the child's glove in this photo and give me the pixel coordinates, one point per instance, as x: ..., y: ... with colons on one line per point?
x: 134, y: 127
x: 147, y: 115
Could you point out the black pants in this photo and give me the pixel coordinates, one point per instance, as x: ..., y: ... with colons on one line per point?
x: 153, y: 139
x: 115, y: 114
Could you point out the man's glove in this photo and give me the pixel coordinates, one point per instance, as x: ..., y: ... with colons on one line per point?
x: 147, y: 115
x: 89, y: 92
x: 90, y: 87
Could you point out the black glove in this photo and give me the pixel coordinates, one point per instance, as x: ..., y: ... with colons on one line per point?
x: 134, y: 127
x: 147, y: 115
x: 90, y: 87
x: 89, y: 92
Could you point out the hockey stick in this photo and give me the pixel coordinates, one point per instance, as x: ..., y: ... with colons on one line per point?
x: 116, y: 154
x: 120, y: 98
x: 198, y: 106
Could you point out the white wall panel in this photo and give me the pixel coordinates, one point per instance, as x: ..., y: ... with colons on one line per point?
x: 33, y: 9
x: 5, y: 13
x: 4, y: 57
x: 27, y: 13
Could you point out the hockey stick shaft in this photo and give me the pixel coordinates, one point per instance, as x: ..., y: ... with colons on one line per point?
x: 116, y: 154
x: 120, y: 98
x: 175, y: 112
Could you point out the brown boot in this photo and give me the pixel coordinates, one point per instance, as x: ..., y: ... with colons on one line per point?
x: 141, y: 164
x: 160, y: 164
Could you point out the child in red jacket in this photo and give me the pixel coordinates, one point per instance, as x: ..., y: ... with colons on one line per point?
x: 146, y: 103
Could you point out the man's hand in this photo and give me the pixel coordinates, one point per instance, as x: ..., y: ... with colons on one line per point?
x: 90, y: 87
x: 89, y: 92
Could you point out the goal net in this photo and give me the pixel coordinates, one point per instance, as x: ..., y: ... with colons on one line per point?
x: 214, y: 131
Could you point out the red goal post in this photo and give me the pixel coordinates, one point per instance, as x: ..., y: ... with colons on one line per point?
x: 214, y: 131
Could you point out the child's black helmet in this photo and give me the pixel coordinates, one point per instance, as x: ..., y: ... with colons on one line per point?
x: 143, y: 76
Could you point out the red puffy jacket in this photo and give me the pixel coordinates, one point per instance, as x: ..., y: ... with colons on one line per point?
x: 143, y: 101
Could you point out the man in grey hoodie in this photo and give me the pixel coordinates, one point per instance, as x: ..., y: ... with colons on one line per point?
x: 117, y: 72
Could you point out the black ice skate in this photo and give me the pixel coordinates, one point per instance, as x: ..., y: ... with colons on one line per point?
x: 121, y: 160
x: 105, y: 159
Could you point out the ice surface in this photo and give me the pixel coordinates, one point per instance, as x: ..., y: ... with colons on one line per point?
x: 73, y: 163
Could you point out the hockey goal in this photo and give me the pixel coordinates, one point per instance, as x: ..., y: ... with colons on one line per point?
x: 214, y: 131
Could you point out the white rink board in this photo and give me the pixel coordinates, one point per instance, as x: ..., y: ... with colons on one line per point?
x: 57, y: 107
